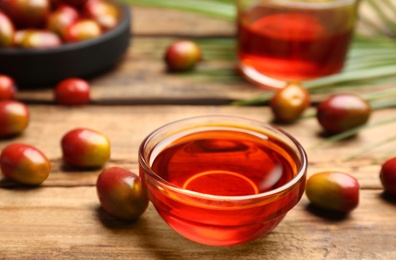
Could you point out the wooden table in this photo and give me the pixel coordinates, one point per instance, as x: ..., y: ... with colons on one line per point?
x: 62, y: 219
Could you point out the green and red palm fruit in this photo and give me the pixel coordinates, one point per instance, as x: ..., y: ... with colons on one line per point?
x: 7, y: 31
x: 72, y: 92
x: 342, y: 112
x: 24, y: 164
x: 388, y: 176
x: 85, y: 148
x: 104, y: 12
x: 121, y: 193
x: 8, y: 87
x: 333, y: 191
x: 182, y: 55
x: 14, y: 117
x: 290, y: 102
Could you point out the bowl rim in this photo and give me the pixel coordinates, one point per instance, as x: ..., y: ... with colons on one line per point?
x: 66, y: 47
x: 296, y: 179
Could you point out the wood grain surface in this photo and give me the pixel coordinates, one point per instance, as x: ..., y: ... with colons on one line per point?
x: 62, y: 219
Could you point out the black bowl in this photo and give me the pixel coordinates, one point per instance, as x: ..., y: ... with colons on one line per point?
x: 46, y: 67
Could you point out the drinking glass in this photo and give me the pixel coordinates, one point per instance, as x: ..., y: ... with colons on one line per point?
x: 282, y: 41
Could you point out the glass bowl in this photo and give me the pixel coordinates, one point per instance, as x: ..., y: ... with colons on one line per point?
x: 222, y: 180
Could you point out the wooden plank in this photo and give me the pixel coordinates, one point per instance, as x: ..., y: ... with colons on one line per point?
x: 65, y: 223
x: 141, y: 78
x: 62, y: 218
x: 127, y: 126
x: 148, y: 21
x: 152, y: 21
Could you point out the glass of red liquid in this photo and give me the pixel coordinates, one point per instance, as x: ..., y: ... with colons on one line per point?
x: 293, y: 40
x: 222, y: 180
